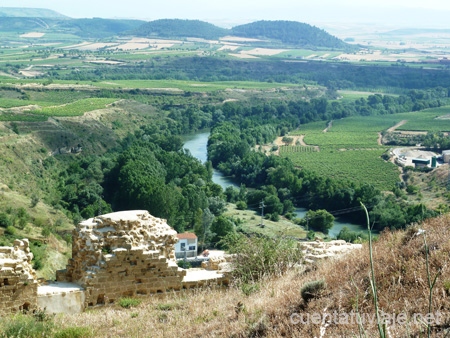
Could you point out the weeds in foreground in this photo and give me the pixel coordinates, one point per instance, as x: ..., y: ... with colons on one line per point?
x: 430, y: 283
x: 129, y: 302
x: 381, y: 330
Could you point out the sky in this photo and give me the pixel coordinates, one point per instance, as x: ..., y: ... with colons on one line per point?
x: 412, y: 13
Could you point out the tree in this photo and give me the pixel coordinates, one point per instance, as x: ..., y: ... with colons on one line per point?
x: 320, y: 220
x: 203, y: 228
x: 222, y: 226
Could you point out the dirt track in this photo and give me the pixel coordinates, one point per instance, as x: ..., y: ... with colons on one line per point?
x: 401, y: 123
x: 330, y: 124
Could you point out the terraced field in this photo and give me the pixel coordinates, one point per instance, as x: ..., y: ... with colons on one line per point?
x: 76, y: 108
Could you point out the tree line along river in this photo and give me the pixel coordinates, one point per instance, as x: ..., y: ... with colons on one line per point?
x: 197, y: 145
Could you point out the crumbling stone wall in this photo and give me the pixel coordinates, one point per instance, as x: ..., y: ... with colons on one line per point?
x: 126, y: 253
x: 18, y: 282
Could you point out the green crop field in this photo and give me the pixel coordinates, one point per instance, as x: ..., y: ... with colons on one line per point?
x: 426, y: 120
x: 76, y: 108
x: 10, y: 103
x: 297, y: 149
x: 362, y: 166
x: 349, y: 148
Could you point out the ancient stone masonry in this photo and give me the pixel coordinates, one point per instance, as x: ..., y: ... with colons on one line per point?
x: 318, y: 250
x: 123, y: 254
x: 18, y: 283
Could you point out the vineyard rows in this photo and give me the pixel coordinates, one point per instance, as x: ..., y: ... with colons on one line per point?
x: 297, y: 149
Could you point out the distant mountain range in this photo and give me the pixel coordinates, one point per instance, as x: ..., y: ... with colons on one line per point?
x: 286, y: 32
x: 292, y: 33
x: 12, y: 12
x: 414, y: 31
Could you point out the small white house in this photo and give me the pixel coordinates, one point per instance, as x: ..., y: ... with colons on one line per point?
x: 187, y: 243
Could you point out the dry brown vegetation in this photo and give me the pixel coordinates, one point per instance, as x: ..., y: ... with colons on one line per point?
x: 401, y: 278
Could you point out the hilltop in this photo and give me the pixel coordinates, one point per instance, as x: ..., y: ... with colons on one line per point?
x: 29, y: 12
x: 289, y: 32
x: 180, y: 28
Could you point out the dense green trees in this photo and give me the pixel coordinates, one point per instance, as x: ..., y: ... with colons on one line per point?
x: 320, y: 220
x: 170, y: 28
x: 333, y: 75
x: 290, y: 32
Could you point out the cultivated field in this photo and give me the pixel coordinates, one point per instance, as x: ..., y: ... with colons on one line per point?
x: 350, y: 148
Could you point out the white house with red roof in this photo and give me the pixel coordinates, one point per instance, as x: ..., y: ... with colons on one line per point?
x: 186, y: 245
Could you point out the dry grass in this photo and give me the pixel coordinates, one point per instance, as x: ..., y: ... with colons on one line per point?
x: 401, y: 278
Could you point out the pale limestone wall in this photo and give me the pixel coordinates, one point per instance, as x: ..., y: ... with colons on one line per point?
x: 319, y: 250
x: 18, y: 282
x: 55, y: 297
x: 123, y: 254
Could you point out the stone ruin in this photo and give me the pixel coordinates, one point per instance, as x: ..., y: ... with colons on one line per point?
x: 127, y: 254
x: 18, y: 283
x: 122, y: 254
x: 319, y: 250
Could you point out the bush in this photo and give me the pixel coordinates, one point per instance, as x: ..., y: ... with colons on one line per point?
x: 74, y: 332
x: 10, y: 231
x: 258, y: 257
x: 4, y: 220
x: 184, y: 264
x: 314, y: 289
x: 248, y: 289
x: 311, y: 235
x: 129, y: 302
x: 274, y: 217
x: 241, y: 205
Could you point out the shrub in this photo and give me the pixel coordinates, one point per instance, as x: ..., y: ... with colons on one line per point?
x: 314, y: 289
x: 274, y: 217
x: 74, y: 332
x: 258, y: 257
x: 248, y: 289
x: 184, y: 264
x: 241, y: 205
x: 129, y: 302
x: 4, y: 220
x: 10, y: 231
x: 311, y: 235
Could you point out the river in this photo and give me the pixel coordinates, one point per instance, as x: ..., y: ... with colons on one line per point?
x: 197, y: 145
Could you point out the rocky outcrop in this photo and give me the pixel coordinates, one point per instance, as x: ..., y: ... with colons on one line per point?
x: 123, y: 254
x: 18, y: 283
x: 219, y: 263
x: 317, y: 250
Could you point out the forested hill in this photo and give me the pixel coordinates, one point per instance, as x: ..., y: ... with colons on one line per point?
x: 180, y: 28
x: 99, y: 28
x: 289, y: 32
x: 29, y: 12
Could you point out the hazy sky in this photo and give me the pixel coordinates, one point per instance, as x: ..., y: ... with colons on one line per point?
x: 401, y: 12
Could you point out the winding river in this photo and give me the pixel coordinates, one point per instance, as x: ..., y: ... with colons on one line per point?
x: 197, y: 145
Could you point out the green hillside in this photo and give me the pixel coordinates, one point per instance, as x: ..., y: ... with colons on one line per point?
x: 97, y: 27
x: 85, y: 28
x: 29, y: 12
x: 289, y: 32
x: 26, y: 24
x: 180, y: 28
